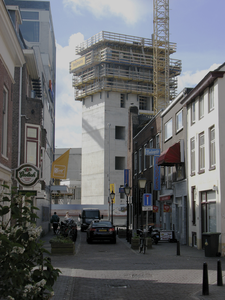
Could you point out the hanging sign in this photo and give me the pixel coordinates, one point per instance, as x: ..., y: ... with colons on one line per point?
x: 27, y: 175
x: 155, y: 209
x: 166, y: 208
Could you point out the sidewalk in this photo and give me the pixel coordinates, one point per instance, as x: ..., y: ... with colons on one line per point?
x: 166, y: 267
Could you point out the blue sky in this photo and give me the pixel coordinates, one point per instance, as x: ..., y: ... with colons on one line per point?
x: 196, y: 26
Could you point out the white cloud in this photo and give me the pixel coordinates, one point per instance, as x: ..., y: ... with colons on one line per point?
x: 191, y: 79
x: 68, y: 111
x: 129, y: 10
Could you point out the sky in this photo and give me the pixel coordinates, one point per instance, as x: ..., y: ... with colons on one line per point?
x: 196, y: 26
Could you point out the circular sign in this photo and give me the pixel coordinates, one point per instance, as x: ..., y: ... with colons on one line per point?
x: 27, y: 175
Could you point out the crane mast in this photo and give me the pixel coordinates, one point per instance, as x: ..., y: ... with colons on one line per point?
x: 161, y: 52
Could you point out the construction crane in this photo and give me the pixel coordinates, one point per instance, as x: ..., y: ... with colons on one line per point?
x: 161, y: 54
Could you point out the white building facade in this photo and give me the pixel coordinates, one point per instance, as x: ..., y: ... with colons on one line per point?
x: 205, y: 157
x: 114, y: 72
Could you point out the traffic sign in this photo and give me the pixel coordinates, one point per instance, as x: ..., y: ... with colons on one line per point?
x: 147, y: 208
x: 147, y: 200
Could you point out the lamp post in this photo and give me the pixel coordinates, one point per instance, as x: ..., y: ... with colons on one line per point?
x: 141, y: 184
x: 112, y: 196
x: 127, y: 192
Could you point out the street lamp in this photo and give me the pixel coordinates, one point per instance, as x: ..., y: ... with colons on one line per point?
x: 112, y: 196
x: 127, y: 192
x: 141, y: 184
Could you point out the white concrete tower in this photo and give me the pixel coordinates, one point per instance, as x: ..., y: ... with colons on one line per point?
x: 114, y: 72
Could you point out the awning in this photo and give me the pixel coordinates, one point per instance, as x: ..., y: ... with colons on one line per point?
x: 171, y: 156
x: 59, y: 189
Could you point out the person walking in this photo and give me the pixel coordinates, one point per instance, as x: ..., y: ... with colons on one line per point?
x: 55, y: 221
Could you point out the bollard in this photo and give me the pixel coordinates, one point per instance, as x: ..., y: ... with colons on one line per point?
x: 219, y: 274
x: 49, y: 261
x: 178, y: 248
x: 205, y: 285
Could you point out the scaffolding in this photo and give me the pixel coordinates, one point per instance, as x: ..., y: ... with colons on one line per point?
x: 116, y: 62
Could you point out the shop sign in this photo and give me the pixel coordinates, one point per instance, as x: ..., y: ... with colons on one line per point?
x: 166, y: 208
x: 27, y: 175
x: 155, y: 208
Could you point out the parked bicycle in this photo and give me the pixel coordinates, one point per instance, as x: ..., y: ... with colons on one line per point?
x: 68, y: 228
x: 142, y: 245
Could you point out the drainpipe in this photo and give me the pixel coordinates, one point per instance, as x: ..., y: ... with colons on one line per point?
x: 19, y: 127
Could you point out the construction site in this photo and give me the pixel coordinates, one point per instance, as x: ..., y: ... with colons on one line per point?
x: 116, y: 71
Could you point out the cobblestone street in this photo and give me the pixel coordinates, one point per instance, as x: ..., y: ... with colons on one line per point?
x: 104, y: 271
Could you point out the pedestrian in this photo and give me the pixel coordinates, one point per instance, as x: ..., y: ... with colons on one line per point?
x: 67, y: 217
x: 55, y: 222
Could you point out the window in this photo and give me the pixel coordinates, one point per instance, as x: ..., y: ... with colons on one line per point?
x: 211, y: 98
x: 208, y: 213
x: 122, y: 100
x: 135, y: 163
x: 193, y: 156
x: 151, y: 157
x: 180, y: 171
x: 142, y: 102
x: 201, y: 107
x: 168, y: 129
x: 169, y: 177
x: 30, y: 15
x: 201, y: 152
x: 119, y: 163
x: 119, y: 132
x: 32, y: 145
x: 179, y: 120
x: 193, y: 201
x: 30, y: 31
x: 5, y: 122
x: 140, y: 160
x: 193, y: 112
x: 212, y: 147
x: 145, y: 157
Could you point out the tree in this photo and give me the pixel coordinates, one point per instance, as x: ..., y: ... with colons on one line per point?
x: 25, y: 270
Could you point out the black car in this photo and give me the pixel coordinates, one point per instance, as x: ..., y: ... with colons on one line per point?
x: 101, y: 230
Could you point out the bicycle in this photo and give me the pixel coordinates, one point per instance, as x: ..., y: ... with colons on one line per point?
x: 142, y: 245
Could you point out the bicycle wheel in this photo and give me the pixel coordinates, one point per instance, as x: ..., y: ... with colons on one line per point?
x: 144, y: 249
x: 140, y: 248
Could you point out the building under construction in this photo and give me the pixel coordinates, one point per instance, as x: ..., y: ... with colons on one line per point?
x: 115, y: 71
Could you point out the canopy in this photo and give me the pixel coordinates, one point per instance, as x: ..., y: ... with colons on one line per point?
x: 171, y: 156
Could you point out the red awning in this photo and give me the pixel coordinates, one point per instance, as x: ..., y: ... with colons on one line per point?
x: 171, y: 156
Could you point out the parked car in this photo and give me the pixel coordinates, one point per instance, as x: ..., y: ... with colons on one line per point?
x: 101, y: 230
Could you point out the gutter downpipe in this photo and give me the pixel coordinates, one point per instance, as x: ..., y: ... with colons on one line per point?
x: 19, y: 129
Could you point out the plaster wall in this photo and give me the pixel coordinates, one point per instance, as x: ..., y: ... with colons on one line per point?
x: 210, y: 177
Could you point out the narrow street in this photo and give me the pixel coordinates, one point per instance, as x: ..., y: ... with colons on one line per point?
x: 105, y: 271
